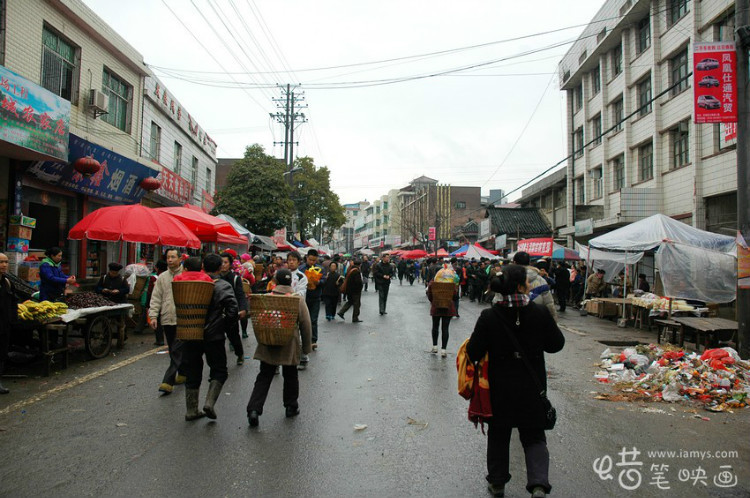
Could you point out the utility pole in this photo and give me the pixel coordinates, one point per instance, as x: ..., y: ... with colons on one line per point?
x: 742, y: 35
x: 288, y: 118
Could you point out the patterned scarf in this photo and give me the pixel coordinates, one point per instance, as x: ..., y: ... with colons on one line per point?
x: 514, y: 301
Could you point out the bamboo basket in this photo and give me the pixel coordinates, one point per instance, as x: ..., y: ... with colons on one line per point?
x: 442, y: 294
x: 246, y: 286
x: 139, y: 288
x: 191, y: 299
x: 274, y: 318
x: 258, y: 272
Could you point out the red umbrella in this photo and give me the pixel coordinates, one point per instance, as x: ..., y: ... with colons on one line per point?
x: 414, y: 254
x: 134, y: 223
x: 442, y: 253
x: 203, y: 225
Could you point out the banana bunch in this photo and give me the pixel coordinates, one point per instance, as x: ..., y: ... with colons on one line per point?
x: 31, y: 310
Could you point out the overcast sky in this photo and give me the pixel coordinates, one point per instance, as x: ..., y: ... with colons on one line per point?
x: 459, y: 128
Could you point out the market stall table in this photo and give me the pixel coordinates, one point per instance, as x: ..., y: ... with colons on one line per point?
x: 712, y: 330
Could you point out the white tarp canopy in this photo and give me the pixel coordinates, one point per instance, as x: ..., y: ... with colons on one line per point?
x: 588, y: 253
x: 650, y: 232
x: 692, y: 263
x: 474, y: 252
x: 237, y: 226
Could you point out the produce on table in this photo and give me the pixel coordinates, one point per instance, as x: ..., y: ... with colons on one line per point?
x: 31, y: 310
x: 81, y: 300
x: 654, y: 302
x: 718, y: 378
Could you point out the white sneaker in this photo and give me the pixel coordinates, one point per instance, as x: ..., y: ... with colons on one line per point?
x: 443, y: 353
x: 434, y: 350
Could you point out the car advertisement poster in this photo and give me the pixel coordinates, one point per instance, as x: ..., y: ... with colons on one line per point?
x: 715, y: 82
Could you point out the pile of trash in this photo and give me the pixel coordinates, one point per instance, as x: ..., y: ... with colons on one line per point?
x: 718, y: 378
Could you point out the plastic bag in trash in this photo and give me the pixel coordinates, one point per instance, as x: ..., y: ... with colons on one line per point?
x: 606, y: 354
x: 671, y: 392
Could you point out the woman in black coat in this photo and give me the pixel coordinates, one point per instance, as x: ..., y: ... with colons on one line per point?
x: 330, y: 293
x: 514, y: 396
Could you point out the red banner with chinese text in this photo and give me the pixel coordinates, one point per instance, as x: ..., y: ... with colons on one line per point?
x: 174, y: 187
x: 536, y: 247
x: 715, y: 82
x: 431, y: 233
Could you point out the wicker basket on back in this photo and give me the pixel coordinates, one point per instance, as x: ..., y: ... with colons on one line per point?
x: 139, y: 288
x: 274, y: 318
x: 246, y: 286
x: 191, y: 299
x: 258, y: 271
x: 442, y: 294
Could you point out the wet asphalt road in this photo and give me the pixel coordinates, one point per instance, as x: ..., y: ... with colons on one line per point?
x: 114, y: 436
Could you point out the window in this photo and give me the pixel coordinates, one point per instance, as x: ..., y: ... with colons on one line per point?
x: 208, y: 181
x: 596, y: 183
x: 596, y: 81
x: 460, y: 205
x: 618, y: 173
x: 580, y: 197
x: 120, y: 94
x: 676, y: 10
x: 645, y: 162
x: 177, y: 158
x: 59, y: 69
x: 644, y: 35
x: 678, y: 70
x: 155, y: 141
x: 644, y: 96
x: 680, y: 143
x: 578, y: 142
x: 617, y: 60
x: 578, y: 97
x: 194, y: 175
x: 724, y: 29
x: 385, y: 205
x: 597, y: 129
x: 618, y: 114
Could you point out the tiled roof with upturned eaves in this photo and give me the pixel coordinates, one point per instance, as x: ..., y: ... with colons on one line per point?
x: 526, y: 222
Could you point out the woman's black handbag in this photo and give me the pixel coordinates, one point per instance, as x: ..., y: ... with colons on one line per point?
x: 550, y: 414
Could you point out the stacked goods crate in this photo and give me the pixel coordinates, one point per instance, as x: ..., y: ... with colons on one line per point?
x: 19, y: 235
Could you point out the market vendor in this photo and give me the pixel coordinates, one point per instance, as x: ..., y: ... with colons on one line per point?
x: 112, y: 285
x: 53, y: 280
x: 595, y: 284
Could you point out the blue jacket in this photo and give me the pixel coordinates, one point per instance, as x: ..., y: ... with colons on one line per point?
x: 53, y: 281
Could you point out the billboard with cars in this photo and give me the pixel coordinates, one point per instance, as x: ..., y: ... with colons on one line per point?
x: 715, y: 82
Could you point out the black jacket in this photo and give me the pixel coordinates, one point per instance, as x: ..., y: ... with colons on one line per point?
x: 514, y: 397
x: 331, y: 287
x: 116, y: 283
x: 8, y: 305
x: 239, y: 293
x: 380, y: 270
x: 222, y: 311
x: 562, y: 279
x: 353, y: 282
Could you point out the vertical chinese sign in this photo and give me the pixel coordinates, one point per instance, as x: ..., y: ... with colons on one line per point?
x: 715, y: 82
x: 431, y: 233
x: 32, y: 117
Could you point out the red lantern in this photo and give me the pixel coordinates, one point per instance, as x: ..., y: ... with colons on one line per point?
x: 86, y: 166
x: 150, y: 183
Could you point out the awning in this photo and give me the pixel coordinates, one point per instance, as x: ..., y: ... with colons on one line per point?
x: 264, y: 243
x: 236, y: 225
x: 232, y: 240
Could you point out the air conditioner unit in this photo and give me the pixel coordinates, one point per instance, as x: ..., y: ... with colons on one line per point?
x: 98, y: 102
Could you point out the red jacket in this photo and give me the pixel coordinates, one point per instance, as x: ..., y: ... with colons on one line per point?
x: 192, y: 275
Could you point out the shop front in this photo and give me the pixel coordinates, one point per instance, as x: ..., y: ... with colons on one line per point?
x: 60, y: 194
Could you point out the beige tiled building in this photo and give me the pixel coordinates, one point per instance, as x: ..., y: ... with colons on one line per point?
x: 634, y: 147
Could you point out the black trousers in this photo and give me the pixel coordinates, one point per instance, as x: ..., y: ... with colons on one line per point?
x: 313, y: 306
x: 535, y: 450
x: 192, y: 362
x: 562, y: 298
x: 354, y: 301
x: 446, y: 323
x: 233, y: 334
x: 243, y: 325
x: 383, y: 296
x: 263, y: 384
x: 175, y: 353
x: 330, y: 302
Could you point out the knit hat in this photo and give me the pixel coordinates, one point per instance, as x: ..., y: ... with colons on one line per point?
x: 246, y: 257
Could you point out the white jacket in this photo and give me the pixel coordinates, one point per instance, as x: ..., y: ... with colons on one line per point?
x: 162, y: 302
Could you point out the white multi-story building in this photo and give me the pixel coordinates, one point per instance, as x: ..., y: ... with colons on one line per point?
x: 182, y: 150
x: 628, y: 77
